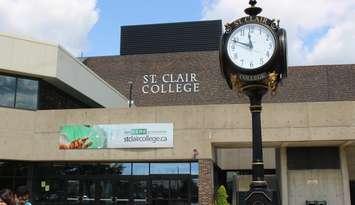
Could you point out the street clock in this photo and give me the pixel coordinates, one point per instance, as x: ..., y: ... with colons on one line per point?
x: 253, y: 60
x: 253, y: 50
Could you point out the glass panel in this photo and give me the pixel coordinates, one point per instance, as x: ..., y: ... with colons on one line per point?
x: 139, y: 190
x: 140, y: 168
x: 21, y: 169
x: 194, y: 168
x: 26, y: 94
x: 116, y: 168
x: 88, y: 189
x: 194, y: 188
x: 123, y: 202
x: 48, y: 169
x: 7, y: 169
x: 81, y: 169
x: 20, y: 181
x: 104, y: 192
x: 160, y: 189
x: 122, y: 189
x: 7, y: 91
x: 50, y: 190
x: 73, y: 190
x: 179, y: 189
x: 6, y: 183
x: 170, y: 168
x: 179, y: 202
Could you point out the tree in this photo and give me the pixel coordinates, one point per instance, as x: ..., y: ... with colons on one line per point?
x: 221, y: 196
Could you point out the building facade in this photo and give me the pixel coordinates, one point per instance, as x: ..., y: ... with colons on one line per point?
x: 308, y: 128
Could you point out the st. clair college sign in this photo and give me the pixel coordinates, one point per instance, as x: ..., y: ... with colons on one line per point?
x: 170, y: 83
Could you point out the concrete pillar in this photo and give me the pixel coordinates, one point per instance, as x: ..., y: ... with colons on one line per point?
x: 205, y: 182
x: 345, y: 175
x: 283, y: 177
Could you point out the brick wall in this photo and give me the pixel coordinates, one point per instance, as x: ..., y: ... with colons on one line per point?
x: 205, y: 182
x: 304, y: 83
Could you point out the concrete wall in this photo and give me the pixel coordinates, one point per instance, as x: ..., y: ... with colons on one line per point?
x: 350, y: 153
x: 311, y: 123
x: 76, y: 75
x: 27, y: 56
x: 31, y: 135
x: 325, y: 184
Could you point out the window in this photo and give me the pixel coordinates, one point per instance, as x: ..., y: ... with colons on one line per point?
x: 140, y: 168
x: 170, y: 168
x: 194, y: 168
x: 194, y: 191
x: 115, y: 168
x: 299, y: 158
x: 7, y: 91
x: 18, y: 92
x: 7, y: 169
x: 26, y: 94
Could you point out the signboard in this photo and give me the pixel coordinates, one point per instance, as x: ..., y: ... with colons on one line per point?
x: 143, y: 135
x: 170, y: 83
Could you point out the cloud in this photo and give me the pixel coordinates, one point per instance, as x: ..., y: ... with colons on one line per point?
x: 319, y: 31
x: 65, y: 22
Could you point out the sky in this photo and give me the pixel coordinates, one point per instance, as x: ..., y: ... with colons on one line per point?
x: 319, y: 31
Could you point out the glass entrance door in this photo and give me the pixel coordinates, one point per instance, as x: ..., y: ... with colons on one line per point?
x: 104, y: 192
x: 90, y: 192
x: 170, y: 190
x: 122, y: 191
x: 140, y: 192
x: 130, y: 191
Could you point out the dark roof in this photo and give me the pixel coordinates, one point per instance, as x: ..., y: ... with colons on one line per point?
x: 304, y: 83
x: 171, y: 37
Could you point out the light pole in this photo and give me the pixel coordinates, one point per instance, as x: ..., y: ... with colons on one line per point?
x: 130, y: 83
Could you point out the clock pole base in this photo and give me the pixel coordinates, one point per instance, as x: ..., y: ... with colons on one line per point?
x: 259, y: 196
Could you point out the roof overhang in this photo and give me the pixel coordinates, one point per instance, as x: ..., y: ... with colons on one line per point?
x: 54, y: 64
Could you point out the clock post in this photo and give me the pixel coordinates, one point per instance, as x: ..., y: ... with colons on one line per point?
x: 253, y: 60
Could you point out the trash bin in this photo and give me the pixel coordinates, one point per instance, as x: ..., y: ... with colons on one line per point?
x: 311, y: 202
x: 316, y: 202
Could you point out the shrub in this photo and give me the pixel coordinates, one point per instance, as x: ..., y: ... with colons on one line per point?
x: 221, y: 196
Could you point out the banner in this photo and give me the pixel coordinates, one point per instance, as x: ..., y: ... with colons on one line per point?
x: 143, y: 135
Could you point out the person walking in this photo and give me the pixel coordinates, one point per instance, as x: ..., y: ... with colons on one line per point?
x: 7, y: 197
x: 23, y: 195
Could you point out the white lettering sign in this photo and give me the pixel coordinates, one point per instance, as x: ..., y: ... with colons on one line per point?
x: 171, y: 83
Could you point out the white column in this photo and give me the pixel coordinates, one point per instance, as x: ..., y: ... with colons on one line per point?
x: 345, y: 175
x: 283, y: 167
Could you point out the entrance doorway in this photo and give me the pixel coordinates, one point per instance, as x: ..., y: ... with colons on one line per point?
x: 140, y: 190
x: 170, y: 190
x: 233, y: 170
x: 105, y: 183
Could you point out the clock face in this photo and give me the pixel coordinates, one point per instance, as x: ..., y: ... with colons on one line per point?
x: 251, y: 46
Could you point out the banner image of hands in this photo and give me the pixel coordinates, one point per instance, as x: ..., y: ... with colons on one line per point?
x: 107, y: 136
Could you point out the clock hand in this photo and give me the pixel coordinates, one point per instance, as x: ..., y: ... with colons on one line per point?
x: 241, y: 43
x: 250, y: 43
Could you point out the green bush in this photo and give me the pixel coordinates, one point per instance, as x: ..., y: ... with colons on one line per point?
x: 221, y: 196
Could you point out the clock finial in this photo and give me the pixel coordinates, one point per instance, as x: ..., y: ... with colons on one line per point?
x: 252, y: 2
x: 253, y: 10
